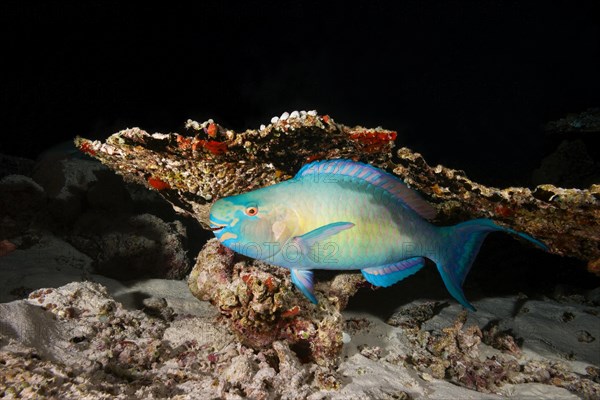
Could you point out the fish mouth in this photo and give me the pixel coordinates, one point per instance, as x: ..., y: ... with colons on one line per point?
x: 216, y: 228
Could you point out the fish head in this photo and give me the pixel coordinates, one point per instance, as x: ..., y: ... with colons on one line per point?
x: 254, y: 224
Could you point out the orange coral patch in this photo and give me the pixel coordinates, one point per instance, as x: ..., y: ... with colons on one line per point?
x: 292, y: 312
x: 503, y: 211
x: 269, y: 284
x: 373, y: 141
x: 86, y: 147
x: 183, y: 143
x: 6, y: 247
x: 247, y: 279
x: 213, y: 146
x: 315, y: 157
x: 212, y: 130
x: 594, y: 266
x: 158, y: 184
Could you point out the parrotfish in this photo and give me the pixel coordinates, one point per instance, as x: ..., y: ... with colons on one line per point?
x: 346, y: 215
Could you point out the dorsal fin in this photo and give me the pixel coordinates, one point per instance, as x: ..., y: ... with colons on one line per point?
x: 388, y: 182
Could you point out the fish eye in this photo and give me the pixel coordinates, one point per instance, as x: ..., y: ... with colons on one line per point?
x: 251, y: 211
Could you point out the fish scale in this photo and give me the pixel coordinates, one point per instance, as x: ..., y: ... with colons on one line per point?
x: 346, y: 215
x: 375, y: 235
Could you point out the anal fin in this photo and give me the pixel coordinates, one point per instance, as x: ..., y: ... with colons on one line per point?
x: 387, y: 275
x: 303, y: 279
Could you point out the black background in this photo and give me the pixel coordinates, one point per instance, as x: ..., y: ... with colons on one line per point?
x: 469, y: 84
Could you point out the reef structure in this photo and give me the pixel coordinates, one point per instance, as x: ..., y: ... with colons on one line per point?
x: 192, y: 171
x: 567, y: 220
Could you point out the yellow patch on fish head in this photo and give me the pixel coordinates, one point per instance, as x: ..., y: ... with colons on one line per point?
x: 226, y: 236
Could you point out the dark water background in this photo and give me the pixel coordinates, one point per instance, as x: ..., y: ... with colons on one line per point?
x: 468, y: 84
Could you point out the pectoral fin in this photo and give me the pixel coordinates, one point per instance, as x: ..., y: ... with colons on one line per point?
x: 387, y: 275
x: 321, y: 234
x: 303, y: 279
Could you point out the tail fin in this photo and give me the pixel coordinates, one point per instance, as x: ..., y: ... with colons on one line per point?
x: 463, y: 243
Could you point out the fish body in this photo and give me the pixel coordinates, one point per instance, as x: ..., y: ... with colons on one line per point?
x: 346, y: 215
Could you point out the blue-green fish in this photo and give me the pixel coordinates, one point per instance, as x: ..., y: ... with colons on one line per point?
x: 346, y: 215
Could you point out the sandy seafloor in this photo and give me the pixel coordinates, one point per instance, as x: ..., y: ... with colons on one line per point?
x: 55, y: 351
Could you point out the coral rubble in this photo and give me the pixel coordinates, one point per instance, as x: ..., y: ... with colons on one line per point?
x: 77, y: 342
x: 454, y: 353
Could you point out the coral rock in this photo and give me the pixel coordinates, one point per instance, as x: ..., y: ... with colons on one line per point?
x: 191, y: 171
x: 149, y: 246
x: 567, y: 220
x: 263, y: 307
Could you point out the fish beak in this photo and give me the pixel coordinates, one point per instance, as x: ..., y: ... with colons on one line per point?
x: 215, y: 226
